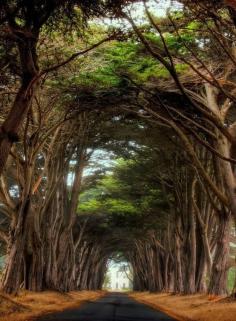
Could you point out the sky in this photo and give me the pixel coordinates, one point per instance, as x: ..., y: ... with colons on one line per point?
x: 137, y: 11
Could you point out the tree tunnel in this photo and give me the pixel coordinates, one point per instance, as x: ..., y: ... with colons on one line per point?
x: 117, y: 184
x: 131, y: 249
x: 117, y: 140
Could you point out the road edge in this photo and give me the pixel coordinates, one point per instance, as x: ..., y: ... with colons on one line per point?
x: 162, y: 308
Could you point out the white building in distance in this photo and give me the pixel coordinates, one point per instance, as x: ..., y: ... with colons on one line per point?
x: 118, y: 278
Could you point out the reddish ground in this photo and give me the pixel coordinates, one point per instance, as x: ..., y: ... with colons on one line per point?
x: 190, y: 307
x: 29, y: 305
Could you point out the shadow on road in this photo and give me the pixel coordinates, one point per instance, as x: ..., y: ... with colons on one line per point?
x: 112, y: 307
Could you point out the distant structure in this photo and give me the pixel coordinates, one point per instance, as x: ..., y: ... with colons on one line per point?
x: 119, y: 278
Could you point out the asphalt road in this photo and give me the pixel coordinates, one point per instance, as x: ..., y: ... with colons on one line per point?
x: 112, y: 307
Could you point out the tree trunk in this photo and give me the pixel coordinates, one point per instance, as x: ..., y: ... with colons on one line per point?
x: 66, y: 262
x: 178, y: 284
x: 25, y: 260
x: 10, y: 127
x: 218, y: 278
x: 191, y: 280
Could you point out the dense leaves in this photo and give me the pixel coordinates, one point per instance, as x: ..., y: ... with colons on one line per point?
x: 118, y: 142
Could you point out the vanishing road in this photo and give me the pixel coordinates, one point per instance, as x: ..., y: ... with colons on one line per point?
x: 111, y: 307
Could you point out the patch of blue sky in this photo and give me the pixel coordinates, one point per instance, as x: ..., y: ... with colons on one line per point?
x: 100, y: 160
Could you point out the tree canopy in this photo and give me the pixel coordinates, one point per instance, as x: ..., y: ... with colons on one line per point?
x: 117, y: 139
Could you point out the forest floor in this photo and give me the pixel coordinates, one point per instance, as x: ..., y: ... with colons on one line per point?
x: 190, y: 307
x: 29, y: 305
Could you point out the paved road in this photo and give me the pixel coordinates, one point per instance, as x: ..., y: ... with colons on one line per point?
x: 112, y: 307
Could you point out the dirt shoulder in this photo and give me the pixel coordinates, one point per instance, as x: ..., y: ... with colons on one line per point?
x: 29, y: 305
x: 190, y: 307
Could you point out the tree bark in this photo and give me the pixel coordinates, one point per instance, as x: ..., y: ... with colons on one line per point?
x: 218, y: 278
x: 10, y: 127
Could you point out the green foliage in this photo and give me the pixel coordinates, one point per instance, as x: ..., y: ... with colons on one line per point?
x: 105, y: 67
x: 172, y: 41
x: 119, y: 206
x: 130, y: 58
x: 231, y: 278
x: 128, y: 196
x: 90, y: 206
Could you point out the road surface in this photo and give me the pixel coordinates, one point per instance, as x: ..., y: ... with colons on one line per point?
x: 112, y: 307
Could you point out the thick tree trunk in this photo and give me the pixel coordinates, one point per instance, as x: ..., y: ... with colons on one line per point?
x: 10, y: 127
x: 81, y: 264
x: 218, y: 278
x: 25, y: 259
x: 201, y: 285
x: 66, y: 262
x: 13, y: 275
x: 51, y: 228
